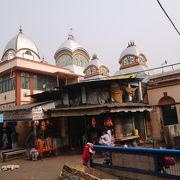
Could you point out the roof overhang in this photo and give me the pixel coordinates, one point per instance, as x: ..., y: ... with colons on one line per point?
x: 106, y: 80
x: 24, y: 112
x: 100, y: 109
x: 19, y: 63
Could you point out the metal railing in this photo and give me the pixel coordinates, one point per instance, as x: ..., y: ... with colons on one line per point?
x: 160, y: 69
x: 146, y: 161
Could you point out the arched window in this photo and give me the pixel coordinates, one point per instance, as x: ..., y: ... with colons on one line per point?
x: 168, y: 109
x: 28, y: 53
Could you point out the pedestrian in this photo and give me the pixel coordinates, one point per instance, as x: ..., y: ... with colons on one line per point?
x: 87, y: 153
x: 5, y: 139
x: 105, y: 140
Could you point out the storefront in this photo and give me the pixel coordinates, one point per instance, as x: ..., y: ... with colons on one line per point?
x: 93, y: 119
x: 23, y: 124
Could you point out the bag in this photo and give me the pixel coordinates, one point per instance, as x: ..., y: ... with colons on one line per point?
x: 169, y: 160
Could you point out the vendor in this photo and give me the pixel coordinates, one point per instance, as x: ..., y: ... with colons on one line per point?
x: 40, y: 145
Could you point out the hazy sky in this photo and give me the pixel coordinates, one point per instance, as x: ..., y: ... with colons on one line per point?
x: 103, y: 27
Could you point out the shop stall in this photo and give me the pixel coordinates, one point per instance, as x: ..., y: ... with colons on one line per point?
x: 30, y: 121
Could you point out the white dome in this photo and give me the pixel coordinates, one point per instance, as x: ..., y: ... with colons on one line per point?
x: 130, y: 50
x: 96, y: 62
x: 71, y: 45
x: 96, y: 68
x: 21, y: 42
x: 132, y: 60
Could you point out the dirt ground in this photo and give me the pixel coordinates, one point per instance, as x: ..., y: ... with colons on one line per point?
x: 47, y: 169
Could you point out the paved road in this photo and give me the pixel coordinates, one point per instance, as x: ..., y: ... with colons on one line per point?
x: 46, y: 169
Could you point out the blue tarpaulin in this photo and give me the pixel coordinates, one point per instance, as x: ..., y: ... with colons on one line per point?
x: 1, y: 117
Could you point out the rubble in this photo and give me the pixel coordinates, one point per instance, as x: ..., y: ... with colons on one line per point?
x: 9, y: 167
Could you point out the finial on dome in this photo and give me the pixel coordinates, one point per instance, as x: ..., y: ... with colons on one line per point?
x: 43, y: 60
x: 20, y: 29
x: 70, y: 35
x: 131, y: 43
x: 94, y: 57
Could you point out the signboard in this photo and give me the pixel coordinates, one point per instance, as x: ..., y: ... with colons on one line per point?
x: 1, y: 118
x: 37, y: 113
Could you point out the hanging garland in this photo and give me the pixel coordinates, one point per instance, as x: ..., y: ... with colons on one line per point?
x: 93, y: 122
x: 108, y: 122
x: 43, y: 126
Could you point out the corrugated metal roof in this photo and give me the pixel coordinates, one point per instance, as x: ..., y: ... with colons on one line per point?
x: 110, y: 105
x: 24, y: 106
x: 100, y: 109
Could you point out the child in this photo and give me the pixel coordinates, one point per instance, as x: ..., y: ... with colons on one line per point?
x: 87, y: 153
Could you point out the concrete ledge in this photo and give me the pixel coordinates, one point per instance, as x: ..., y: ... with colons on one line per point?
x: 84, y: 173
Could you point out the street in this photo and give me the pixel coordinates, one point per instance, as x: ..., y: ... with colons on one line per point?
x: 47, y: 169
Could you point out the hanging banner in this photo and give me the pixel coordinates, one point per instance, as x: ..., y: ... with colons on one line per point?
x: 1, y: 118
x: 37, y: 113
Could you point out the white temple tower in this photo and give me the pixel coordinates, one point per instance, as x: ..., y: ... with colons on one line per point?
x: 72, y: 56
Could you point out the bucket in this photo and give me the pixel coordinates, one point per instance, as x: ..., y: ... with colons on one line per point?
x: 136, y: 133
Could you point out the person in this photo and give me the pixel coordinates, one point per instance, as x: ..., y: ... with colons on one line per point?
x: 9, y: 131
x: 5, y: 139
x: 84, y: 139
x: 110, y: 132
x: 40, y: 146
x: 105, y: 140
x: 87, y: 153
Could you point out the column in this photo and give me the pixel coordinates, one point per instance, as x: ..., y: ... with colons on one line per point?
x: 129, y: 96
x: 140, y: 91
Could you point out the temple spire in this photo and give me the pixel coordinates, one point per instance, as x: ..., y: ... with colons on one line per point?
x: 131, y: 43
x: 94, y: 57
x: 20, y: 29
x: 70, y: 35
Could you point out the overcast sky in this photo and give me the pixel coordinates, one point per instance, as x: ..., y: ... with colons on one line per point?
x: 103, y: 27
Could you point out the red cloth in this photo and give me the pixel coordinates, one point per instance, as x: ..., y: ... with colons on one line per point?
x: 87, y: 153
x: 169, y: 160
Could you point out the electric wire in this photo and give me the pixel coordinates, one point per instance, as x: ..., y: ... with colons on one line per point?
x: 168, y: 17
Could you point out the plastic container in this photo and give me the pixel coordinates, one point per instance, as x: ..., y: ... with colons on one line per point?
x: 136, y: 133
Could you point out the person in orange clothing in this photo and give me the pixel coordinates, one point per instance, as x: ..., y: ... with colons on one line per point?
x: 40, y: 146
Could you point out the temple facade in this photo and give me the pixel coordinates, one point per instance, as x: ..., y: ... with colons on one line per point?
x: 79, y: 96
